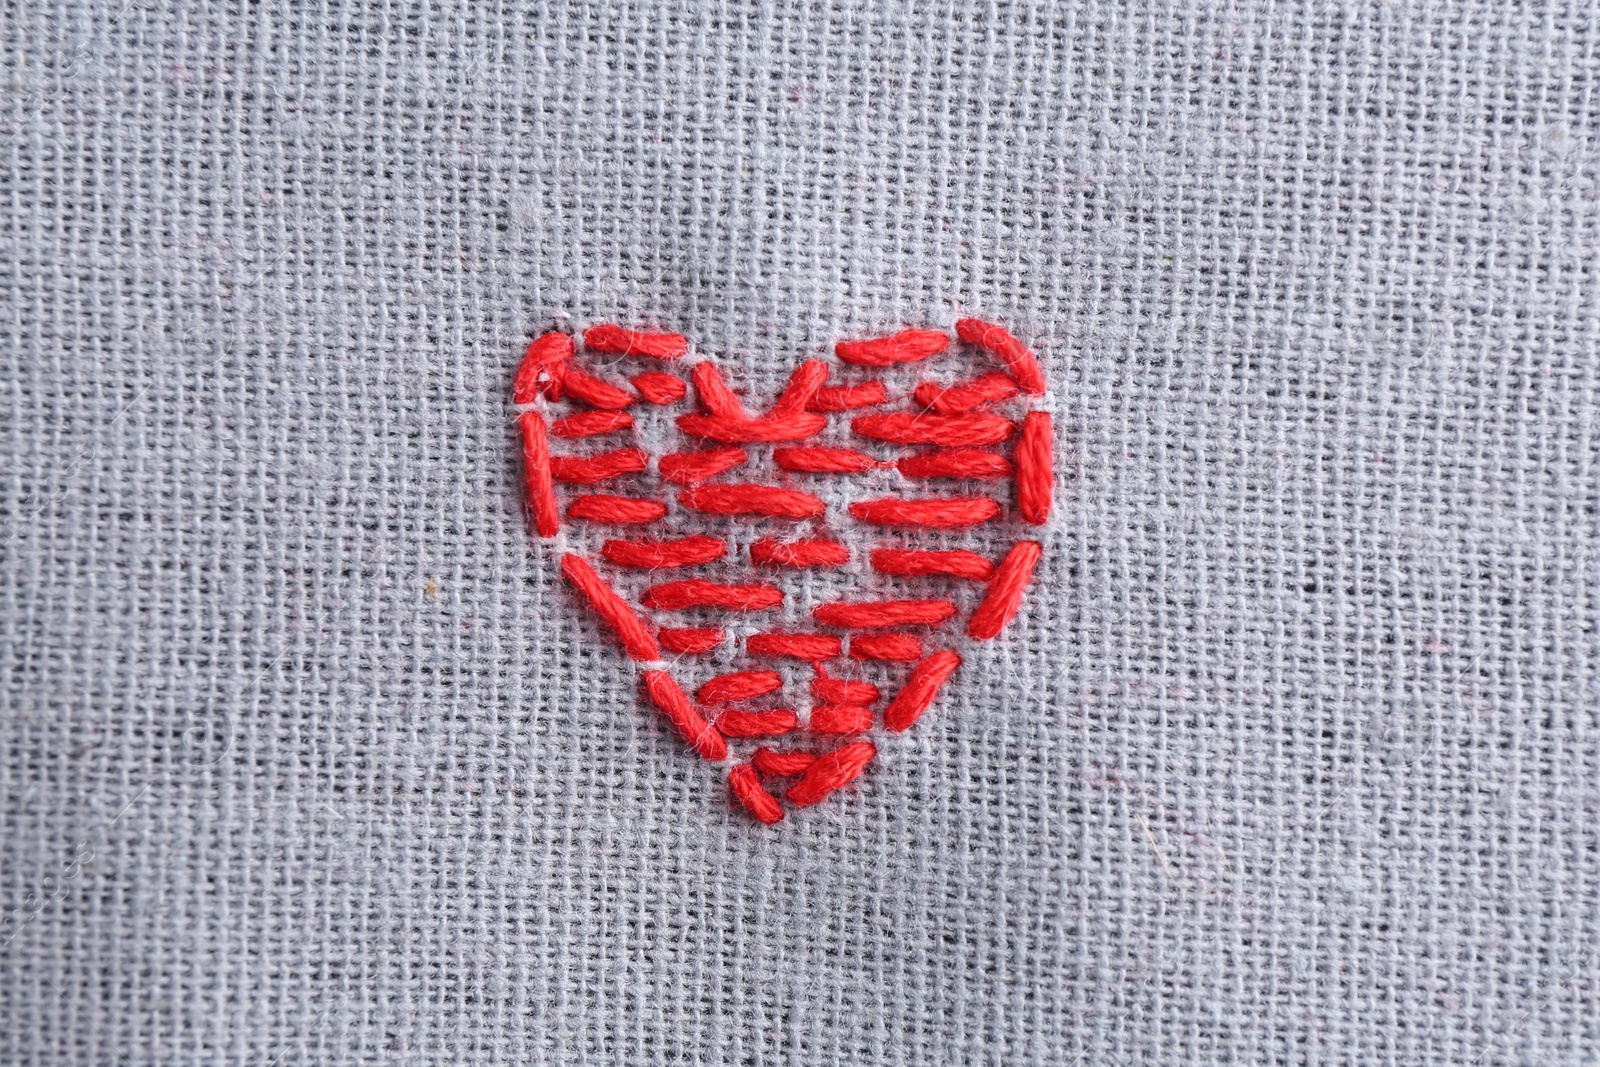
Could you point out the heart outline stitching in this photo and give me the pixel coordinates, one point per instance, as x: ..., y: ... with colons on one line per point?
x: 955, y: 421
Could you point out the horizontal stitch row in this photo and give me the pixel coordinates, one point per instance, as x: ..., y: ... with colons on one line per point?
x: 894, y: 648
x: 747, y: 499
x: 824, y: 460
x: 907, y: 346
x: 956, y: 463
x: 773, y: 723
x: 699, y: 593
x: 608, y: 337
x: 849, y: 397
x: 911, y: 563
x: 814, y: 553
x: 690, y: 640
x: 840, y: 719
x: 596, y: 392
x: 906, y: 428
x: 809, y: 647
x: 587, y: 471
x: 738, y: 685
x: 658, y: 387
x: 615, y: 510
x: 782, y: 764
x: 939, y: 513
x: 843, y: 691
x: 592, y: 423
x: 968, y: 395
x: 687, y: 468
x: 672, y: 552
x: 864, y: 615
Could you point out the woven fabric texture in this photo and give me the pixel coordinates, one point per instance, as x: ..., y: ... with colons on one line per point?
x: 307, y: 756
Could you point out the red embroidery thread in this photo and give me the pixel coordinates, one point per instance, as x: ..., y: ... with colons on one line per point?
x: 819, y: 553
x: 615, y: 339
x: 966, y: 396
x: 907, y: 346
x: 959, y: 438
x: 659, y: 388
x: 739, y: 685
x: 677, y: 552
x: 690, y: 640
x: 850, y: 397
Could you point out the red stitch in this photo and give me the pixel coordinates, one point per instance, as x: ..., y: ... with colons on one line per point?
x: 811, y: 647
x: 751, y: 500
x: 596, y: 392
x: 711, y: 389
x: 589, y: 423
x: 675, y: 552
x: 802, y: 388
x: 748, y: 791
x: 615, y: 510
x: 699, y: 593
x: 612, y: 338
x: 536, y: 469
x: 840, y: 691
x: 833, y: 771
x: 840, y: 719
x: 815, y: 553
x: 782, y: 764
x: 849, y: 397
x: 611, y: 608
x: 823, y: 460
x: 907, y: 346
x: 598, y: 468
x: 914, y: 564
x: 690, y: 640
x: 1005, y: 592
x: 956, y: 422
x: 937, y: 513
x: 670, y: 701
x: 739, y: 685
x: 1012, y: 352
x: 920, y: 689
x: 757, y: 723
x: 956, y: 463
x: 872, y: 615
x: 545, y: 353
x: 796, y: 426
x: 686, y: 468
x: 903, y: 428
x: 659, y: 388
x: 1035, y: 468
x: 968, y: 395
x: 896, y: 648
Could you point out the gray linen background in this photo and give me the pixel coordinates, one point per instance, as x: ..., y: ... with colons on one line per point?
x: 1295, y: 757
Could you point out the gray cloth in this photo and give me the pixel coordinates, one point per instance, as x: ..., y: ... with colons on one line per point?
x: 1293, y: 758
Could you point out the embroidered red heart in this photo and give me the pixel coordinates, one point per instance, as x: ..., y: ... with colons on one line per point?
x: 808, y: 541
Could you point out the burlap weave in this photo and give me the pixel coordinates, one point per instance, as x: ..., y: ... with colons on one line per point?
x: 1294, y: 757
